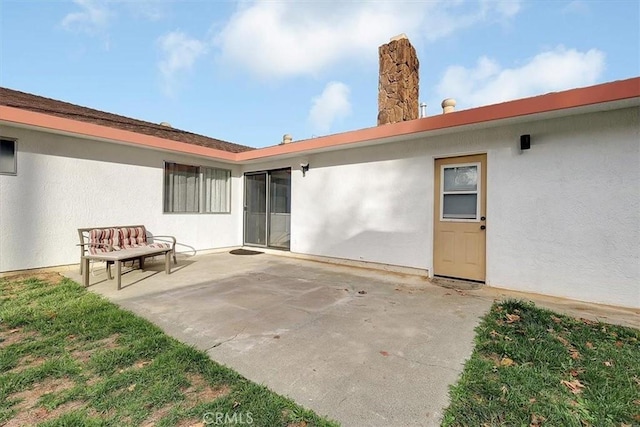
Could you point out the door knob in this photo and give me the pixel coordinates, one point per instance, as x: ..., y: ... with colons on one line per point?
x: 482, y: 227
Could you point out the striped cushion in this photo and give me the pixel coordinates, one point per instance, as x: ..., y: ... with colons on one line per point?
x: 158, y: 245
x: 99, y: 237
x: 133, y: 237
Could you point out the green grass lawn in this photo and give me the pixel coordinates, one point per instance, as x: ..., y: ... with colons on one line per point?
x: 532, y: 367
x: 70, y: 358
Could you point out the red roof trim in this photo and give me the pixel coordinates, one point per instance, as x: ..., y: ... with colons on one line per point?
x: 29, y: 118
x: 607, y: 92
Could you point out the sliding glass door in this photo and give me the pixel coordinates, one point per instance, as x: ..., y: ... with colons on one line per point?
x: 255, y: 209
x: 267, y: 220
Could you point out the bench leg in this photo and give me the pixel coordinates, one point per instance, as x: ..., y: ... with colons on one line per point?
x: 109, y: 276
x: 84, y: 267
x: 119, y: 272
x: 167, y: 262
x: 141, y: 262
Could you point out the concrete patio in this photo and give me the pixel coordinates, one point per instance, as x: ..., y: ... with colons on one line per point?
x: 363, y: 347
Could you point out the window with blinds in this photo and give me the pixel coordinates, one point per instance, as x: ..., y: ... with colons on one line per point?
x: 196, y: 189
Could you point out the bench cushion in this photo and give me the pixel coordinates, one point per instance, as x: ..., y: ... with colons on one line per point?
x: 158, y: 245
x: 100, y: 237
x: 136, y: 237
x: 133, y: 237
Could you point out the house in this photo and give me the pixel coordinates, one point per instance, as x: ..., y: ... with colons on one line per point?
x: 539, y: 194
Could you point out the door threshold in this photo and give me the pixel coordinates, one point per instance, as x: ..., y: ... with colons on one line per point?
x: 455, y: 283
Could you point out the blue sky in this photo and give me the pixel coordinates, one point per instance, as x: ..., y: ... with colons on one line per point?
x: 251, y: 71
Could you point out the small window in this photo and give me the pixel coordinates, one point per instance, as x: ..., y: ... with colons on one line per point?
x: 460, y: 192
x: 196, y: 189
x: 8, y: 163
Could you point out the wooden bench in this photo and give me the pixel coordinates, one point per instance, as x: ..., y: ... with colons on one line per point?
x: 118, y: 257
x: 118, y: 244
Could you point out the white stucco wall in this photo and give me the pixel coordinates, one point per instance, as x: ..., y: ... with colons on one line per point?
x: 365, y: 204
x: 563, y: 218
x: 64, y: 183
x: 565, y: 215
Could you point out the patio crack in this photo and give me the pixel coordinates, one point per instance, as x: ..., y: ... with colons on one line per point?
x: 219, y: 343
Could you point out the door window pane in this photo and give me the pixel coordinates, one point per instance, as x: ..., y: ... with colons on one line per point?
x: 280, y: 191
x: 280, y: 208
x: 461, y: 178
x: 460, y: 192
x: 460, y: 206
x: 256, y: 209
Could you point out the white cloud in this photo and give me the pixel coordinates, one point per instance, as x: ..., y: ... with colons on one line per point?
x: 150, y: 10
x: 505, y: 8
x: 180, y: 54
x: 281, y: 39
x: 578, y: 7
x: 95, y: 16
x: 333, y: 104
x: 550, y: 71
x: 92, y: 18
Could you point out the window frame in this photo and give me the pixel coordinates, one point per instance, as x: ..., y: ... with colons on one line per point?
x: 14, y: 141
x: 477, y: 192
x: 201, y: 188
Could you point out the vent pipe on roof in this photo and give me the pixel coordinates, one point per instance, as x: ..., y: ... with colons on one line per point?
x: 423, y: 109
x: 286, y: 138
x: 448, y: 105
x: 166, y: 124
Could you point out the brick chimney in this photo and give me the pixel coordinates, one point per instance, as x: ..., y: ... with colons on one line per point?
x: 398, y: 81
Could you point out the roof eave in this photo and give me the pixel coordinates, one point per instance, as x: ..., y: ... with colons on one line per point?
x: 29, y: 119
x: 618, y: 94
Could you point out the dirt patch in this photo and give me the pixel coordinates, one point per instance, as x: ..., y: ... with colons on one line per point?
x: 93, y: 380
x: 197, y: 392
x: 200, y: 391
x: 157, y: 415
x: 15, y: 335
x: 108, y: 342
x: 190, y: 423
x: 184, y: 423
x: 83, y: 352
x: 28, y: 362
x: 38, y: 415
x: 286, y: 413
x: 104, y: 415
x: 493, y: 358
x: 137, y: 365
x: 50, y: 277
x: 81, y: 356
x: 28, y: 399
